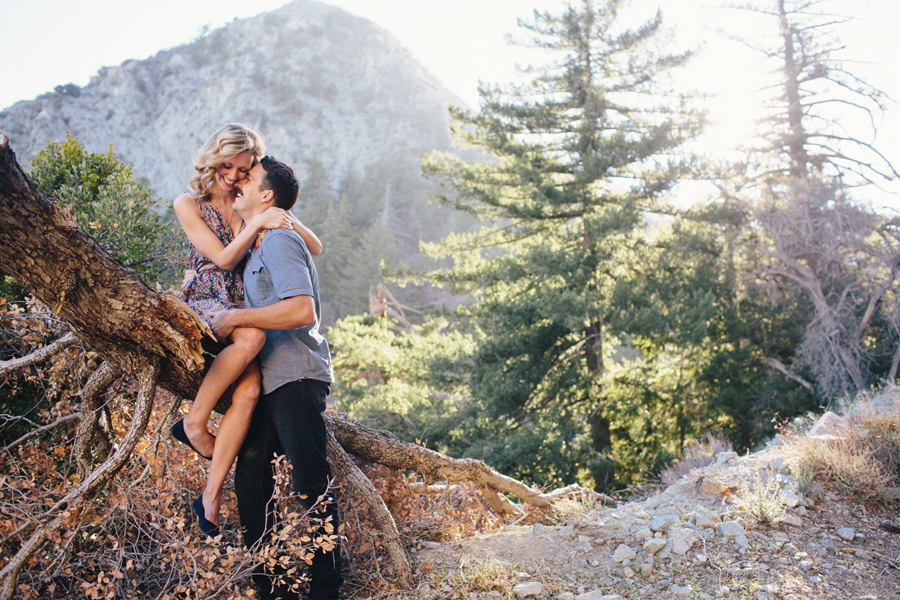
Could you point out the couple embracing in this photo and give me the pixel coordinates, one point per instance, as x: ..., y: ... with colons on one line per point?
x: 252, y: 278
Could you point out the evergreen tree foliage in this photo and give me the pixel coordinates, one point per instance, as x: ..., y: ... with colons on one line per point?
x: 580, y: 156
x: 408, y: 381
x: 107, y: 200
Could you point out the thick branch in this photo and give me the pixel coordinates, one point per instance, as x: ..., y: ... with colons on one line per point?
x: 382, y: 448
x: 779, y: 366
x: 90, y: 407
x: 7, y: 366
x: 357, y: 480
x: 104, y: 303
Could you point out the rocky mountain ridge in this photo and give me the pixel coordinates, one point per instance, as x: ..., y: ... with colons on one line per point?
x: 318, y: 82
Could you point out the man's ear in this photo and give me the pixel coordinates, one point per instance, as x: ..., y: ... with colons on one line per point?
x: 267, y: 197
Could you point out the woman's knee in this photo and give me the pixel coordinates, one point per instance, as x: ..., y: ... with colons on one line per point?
x: 250, y: 339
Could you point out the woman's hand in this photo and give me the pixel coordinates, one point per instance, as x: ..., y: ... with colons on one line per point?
x: 275, y: 218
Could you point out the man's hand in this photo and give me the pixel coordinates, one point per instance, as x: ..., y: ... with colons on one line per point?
x: 221, y: 324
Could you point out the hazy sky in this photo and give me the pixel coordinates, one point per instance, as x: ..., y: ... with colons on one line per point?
x: 45, y: 43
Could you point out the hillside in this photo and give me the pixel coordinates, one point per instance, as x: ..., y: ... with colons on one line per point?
x: 317, y: 81
x: 699, y: 538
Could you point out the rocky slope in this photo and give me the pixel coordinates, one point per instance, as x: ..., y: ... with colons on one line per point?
x: 317, y: 81
x: 696, y: 539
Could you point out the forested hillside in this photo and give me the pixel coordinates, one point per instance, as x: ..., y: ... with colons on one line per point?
x: 612, y: 326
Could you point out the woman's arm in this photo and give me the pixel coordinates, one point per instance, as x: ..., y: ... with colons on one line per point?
x: 312, y: 241
x: 203, y: 238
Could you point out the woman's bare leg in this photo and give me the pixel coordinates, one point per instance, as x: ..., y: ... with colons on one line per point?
x: 231, y: 434
x: 227, y: 367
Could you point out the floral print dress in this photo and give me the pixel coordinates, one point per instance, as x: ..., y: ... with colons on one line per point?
x: 213, y: 288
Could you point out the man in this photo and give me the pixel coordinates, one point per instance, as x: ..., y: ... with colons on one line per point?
x: 281, y: 287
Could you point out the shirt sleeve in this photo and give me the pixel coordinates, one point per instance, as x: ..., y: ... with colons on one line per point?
x: 287, y: 260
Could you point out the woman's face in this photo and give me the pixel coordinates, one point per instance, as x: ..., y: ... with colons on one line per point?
x: 233, y: 170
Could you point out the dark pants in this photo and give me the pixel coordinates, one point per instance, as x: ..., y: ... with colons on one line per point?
x: 288, y: 421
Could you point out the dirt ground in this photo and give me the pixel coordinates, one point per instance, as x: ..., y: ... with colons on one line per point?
x: 782, y: 562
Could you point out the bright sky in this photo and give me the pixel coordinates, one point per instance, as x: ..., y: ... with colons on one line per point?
x: 45, y: 43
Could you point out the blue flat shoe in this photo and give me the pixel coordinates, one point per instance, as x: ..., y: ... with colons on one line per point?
x: 206, y: 526
x: 179, y: 434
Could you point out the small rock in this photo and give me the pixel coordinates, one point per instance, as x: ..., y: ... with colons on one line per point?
x: 681, y: 540
x: 731, y: 529
x: 644, y: 534
x: 654, y: 545
x: 566, y: 596
x: 829, y: 425
x: 769, y: 588
x: 647, y: 569
x: 583, y: 547
x: 430, y: 545
x: 530, y: 588
x: 597, y: 595
x: 790, y: 499
x: 846, y: 533
x: 679, y: 590
x: 539, y: 529
x: 777, y: 464
x: 628, y: 572
x: 702, y: 559
x: 623, y: 553
x: 665, y: 552
x: 791, y: 519
x: 724, y: 457
x: 663, y: 523
x: 807, y: 565
x: 704, y: 520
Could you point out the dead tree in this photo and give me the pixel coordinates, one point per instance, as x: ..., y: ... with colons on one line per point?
x: 155, y: 338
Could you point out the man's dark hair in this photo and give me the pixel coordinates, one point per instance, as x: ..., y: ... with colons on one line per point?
x: 281, y: 180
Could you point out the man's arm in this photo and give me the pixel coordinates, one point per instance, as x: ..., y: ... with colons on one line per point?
x: 290, y: 313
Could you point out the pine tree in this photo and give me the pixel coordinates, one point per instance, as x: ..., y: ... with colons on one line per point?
x: 581, y: 156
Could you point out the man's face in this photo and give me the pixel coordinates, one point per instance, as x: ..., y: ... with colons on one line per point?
x: 248, y: 201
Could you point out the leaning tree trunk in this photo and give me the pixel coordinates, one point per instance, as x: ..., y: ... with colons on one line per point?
x: 116, y: 315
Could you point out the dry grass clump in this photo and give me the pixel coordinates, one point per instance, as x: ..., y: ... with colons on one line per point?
x: 475, y: 579
x: 760, y: 500
x: 701, y: 453
x: 574, y: 503
x: 862, y: 463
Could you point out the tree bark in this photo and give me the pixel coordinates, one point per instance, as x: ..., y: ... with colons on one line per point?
x: 131, y: 326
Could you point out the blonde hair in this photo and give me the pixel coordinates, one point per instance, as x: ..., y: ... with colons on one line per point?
x: 230, y: 140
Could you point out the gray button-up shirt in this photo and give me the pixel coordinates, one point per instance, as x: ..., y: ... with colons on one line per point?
x: 281, y: 268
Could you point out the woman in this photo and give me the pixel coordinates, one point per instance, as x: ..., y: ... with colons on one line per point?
x: 219, y: 243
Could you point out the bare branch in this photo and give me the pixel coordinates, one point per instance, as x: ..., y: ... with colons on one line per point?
x: 779, y: 366
x: 7, y: 366
x: 39, y: 430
